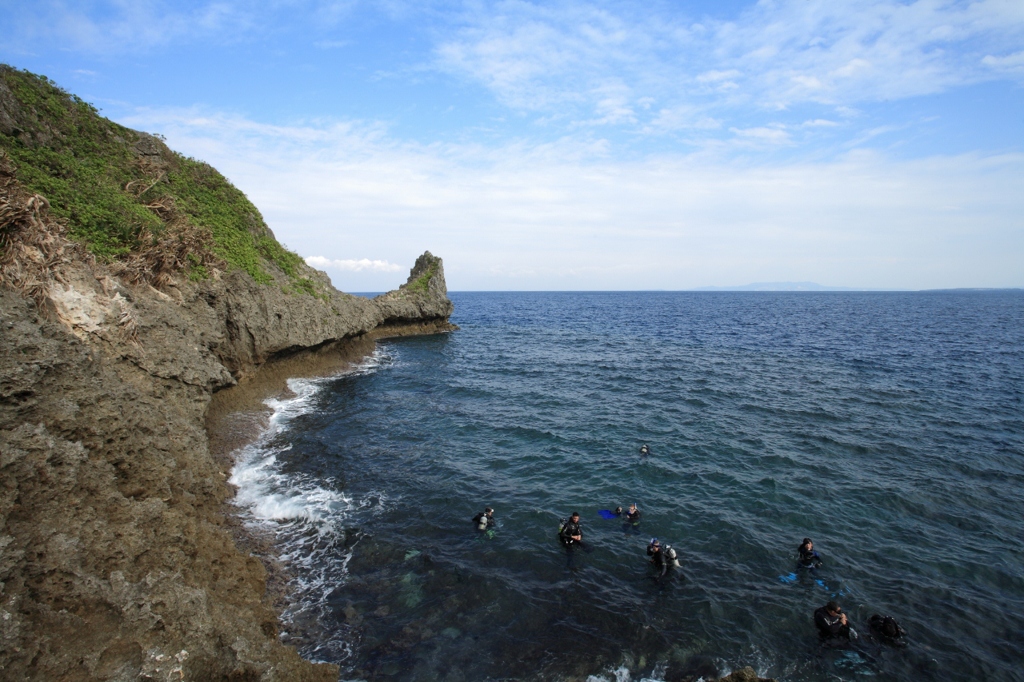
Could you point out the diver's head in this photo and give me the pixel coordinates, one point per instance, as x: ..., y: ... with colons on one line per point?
x: 833, y: 608
x: 655, y: 545
x: 632, y: 507
x: 489, y: 511
x: 618, y: 510
x: 575, y: 516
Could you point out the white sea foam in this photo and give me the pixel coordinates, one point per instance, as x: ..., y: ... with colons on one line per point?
x: 622, y: 674
x: 306, y: 515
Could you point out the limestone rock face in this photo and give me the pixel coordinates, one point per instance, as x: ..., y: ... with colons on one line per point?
x: 261, y: 323
x: 115, y: 559
x: 116, y: 556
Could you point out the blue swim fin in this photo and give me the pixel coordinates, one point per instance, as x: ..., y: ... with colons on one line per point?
x: 607, y: 514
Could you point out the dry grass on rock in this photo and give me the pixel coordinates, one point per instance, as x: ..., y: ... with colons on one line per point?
x: 32, y: 245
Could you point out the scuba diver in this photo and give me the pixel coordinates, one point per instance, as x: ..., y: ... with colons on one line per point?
x: 618, y: 512
x: 662, y: 558
x: 632, y: 519
x: 808, y: 558
x: 570, y: 534
x: 832, y: 623
x: 484, y: 519
x: 645, y: 450
x: 887, y: 630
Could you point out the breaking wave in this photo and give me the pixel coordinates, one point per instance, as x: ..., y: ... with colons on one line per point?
x: 306, y: 515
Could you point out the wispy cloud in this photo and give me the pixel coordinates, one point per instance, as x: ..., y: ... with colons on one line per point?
x: 114, y: 27
x: 353, y: 265
x: 1013, y: 63
x: 561, y: 59
x: 763, y: 135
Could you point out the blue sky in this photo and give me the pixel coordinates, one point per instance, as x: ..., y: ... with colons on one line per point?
x: 570, y: 145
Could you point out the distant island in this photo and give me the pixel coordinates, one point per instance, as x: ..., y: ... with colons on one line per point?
x: 788, y: 286
x: 814, y: 286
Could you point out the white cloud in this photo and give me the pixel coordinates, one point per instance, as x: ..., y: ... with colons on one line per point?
x: 352, y: 265
x: 718, y: 76
x: 763, y: 135
x: 1011, y: 62
x: 569, y: 215
x: 681, y: 118
x: 819, y: 123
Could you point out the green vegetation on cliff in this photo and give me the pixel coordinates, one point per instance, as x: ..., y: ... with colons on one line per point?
x: 421, y: 282
x: 120, y: 191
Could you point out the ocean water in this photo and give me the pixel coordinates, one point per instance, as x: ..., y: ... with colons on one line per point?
x: 888, y: 427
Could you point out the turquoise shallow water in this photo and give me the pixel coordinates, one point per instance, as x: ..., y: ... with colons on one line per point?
x: 887, y: 427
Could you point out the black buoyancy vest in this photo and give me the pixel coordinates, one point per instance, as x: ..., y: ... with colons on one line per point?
x: 568, y: 530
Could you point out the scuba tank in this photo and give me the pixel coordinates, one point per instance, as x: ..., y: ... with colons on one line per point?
x: 671, y: 555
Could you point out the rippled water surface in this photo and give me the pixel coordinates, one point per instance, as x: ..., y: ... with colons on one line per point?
x: 887, y: 427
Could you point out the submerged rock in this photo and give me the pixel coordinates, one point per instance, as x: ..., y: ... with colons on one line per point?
x: 704, y: 668
x: 745, y: 675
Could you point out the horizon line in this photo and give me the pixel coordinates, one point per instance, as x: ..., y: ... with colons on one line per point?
x: 721, y: 290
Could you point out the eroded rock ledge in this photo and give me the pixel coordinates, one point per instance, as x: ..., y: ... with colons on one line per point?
x: 116, y: 562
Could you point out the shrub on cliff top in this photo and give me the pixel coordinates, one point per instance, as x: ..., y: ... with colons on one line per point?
x: 120, y: 191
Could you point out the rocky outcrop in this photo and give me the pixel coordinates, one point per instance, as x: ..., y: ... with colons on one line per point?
x: 156, y: 286
x: 261, y: 323
x: 116, y: 561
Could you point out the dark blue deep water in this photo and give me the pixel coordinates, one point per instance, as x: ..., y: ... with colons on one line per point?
x: 888, y: 427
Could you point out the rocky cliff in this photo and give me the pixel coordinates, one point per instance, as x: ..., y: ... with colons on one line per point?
x: 128, y: 297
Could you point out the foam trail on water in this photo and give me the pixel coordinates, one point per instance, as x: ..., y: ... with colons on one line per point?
x: 306, y: 516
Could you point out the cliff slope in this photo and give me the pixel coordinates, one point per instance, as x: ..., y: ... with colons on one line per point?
x: 134, y: 283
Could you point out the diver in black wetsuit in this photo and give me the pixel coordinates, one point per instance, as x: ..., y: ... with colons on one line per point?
x: 887, y: 630
x: 645, y: 450
x: 808, y: 558
x: 662, y: 558
x: 658, y: 558
x: 571, y: 534
x: 632, y: 519
x: 832, y: 623
x: 484, y: 519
